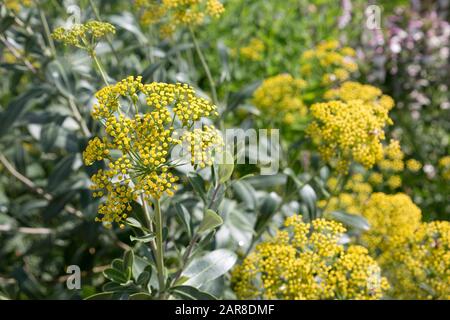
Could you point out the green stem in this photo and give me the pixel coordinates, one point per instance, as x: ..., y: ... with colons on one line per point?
x: 185, y: 258
x: 108, y: 39
x: 159, y: 247
x: 99, y: 66
x: 78, y: 117
x: 47, y: 32
x: 205, y: 67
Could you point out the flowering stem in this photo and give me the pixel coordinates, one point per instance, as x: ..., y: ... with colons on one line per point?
x: 185, y: 258
x: 78, y: 117
x: 108, y: 39
x: 205, y: 67
x: 99, y: 66
x: 47, y: 32
x: 159, y: 247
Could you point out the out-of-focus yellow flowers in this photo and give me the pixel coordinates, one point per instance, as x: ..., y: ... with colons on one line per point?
x: 83, y: 36
x: 279, y: 98
x: 419, y: 268
x: 307, y: 261
x: 254, y: 50
x: 169, y: 14
x: 328, y: 61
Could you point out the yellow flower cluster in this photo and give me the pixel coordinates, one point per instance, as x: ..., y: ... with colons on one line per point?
x: 354, y: 194
x: 253, y: 50
x: 392, y: 157
x: 371, y: 95
x: 83, y: 36
x: 348, y: 131
x: 350, y: 127
x: 392, y: 219
x: 96, y: 150
x: 420, y: 267
x: 330, y: 61
x: 16, y: 5
x: 413, y: 165
x: 152, y: 11
x: 306, y: 261
x: 201, y: 145
x: 137, y: 148
x: 391, y: 163
x: 172, y: 13
x: 279, y: 97
x: 444, y: 166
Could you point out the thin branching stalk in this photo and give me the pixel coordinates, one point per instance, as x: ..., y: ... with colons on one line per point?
x: 17, y: 55
x: 47, y: 32
x: 159, y: 247
x: 99, y: 66
x: 108, y: 39
x: 77, y: 115
x: 205, y: 67
x: 31, y: 185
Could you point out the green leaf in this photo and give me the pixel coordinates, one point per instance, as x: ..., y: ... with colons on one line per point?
x: 266, y: 212
x: 226, y: 168
x: 139, y: 266
x: 49, y: 134
x: 209, y: 267
x: 118, y: 265
x: 140, y: 296
x: 61, y: 172
x: 128, y: 259
x: 17, y: 107
x: 115, y: 275
x: 144, y: 278
x: 211, y: 220
x: 246, y: 193
x: 293, y: 183
x: 184, y: 218
x: 132, y: 222
x: 57, y: 204
x: 197, y: 184
x: 191, y: 293
x: 101, y: 296
x: 145, y: 238
x: 147, y: 74
x: 240, y: 96
x: 267, y: 181
x: 113, y: 287
x: 309, y: 198
x: 5, y: 23
x: 351, y: 220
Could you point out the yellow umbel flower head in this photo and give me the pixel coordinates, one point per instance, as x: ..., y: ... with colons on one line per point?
x: 83, y: 36
x: 15, y: 5
x: 392, y: 219
x: 444, y: 167
x: 169, y: 14
x: 348, y: 131
x: 137, y: 147
x: 280, y: 96
x: 420, y: 267
x: 253, y: 50
x: 413, y: 165
x: 351, y: 90
x: 392, y: 160
x: 329, y: 62
x: 307, y: 261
